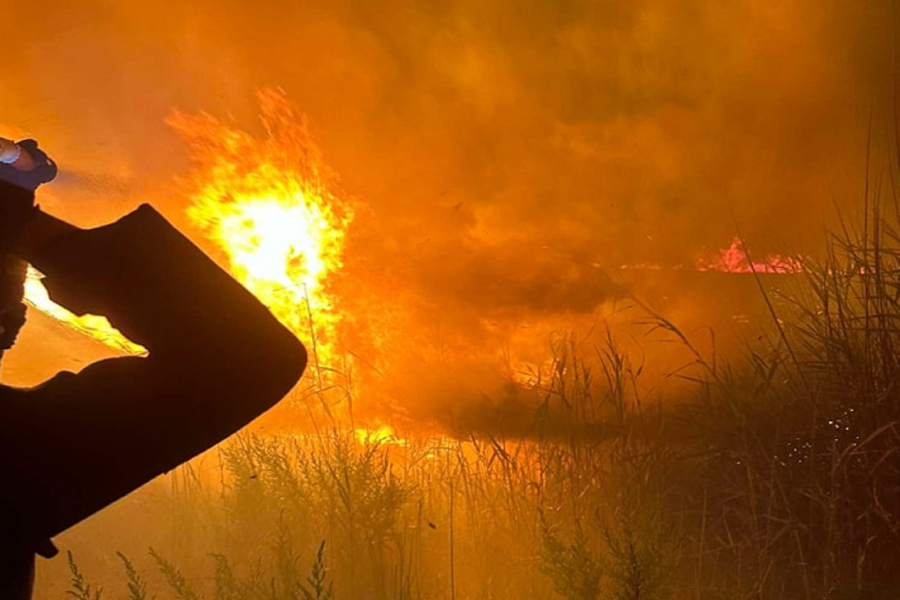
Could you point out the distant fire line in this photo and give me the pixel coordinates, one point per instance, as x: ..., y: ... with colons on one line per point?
x: 733, y: 259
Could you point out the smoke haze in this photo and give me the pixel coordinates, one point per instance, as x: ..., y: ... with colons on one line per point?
x: 513, y: 155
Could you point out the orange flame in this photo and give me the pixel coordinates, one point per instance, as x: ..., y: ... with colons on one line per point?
x: 379, y: 434
x: 735, y: 259
x: 274, y: 209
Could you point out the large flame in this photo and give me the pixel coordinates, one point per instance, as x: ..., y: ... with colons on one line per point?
x: 271, y: 207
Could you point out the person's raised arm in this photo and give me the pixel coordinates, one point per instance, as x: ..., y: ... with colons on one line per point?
x: 40, y: 230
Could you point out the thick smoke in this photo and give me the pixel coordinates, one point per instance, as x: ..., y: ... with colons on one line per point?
x: 513, y: 155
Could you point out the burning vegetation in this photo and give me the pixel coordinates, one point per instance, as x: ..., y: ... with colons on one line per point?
x: 270, y: 208
x: 524, y: 382
x: 773, y: 478
x: 273, y: 208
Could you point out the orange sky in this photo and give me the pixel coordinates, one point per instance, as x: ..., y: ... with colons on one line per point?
x: 513, y: 154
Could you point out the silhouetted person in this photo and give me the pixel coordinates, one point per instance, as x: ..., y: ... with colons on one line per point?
x: 76, y: 443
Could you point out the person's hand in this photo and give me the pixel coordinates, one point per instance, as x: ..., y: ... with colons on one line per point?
x: 41, y: 168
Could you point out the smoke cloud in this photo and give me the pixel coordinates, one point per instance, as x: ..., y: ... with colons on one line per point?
x: 513, y: 155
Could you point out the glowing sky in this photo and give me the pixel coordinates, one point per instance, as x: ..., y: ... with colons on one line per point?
x: 513, y: 154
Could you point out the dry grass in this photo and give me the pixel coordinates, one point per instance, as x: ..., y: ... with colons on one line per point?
x: 779, y: 480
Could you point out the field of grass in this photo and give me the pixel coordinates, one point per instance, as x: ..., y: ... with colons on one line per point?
x: 776, y: 477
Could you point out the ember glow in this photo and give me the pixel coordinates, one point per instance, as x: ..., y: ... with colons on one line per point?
x: 736, y: 259
x: 380, y: 434
x: 733, y: 259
